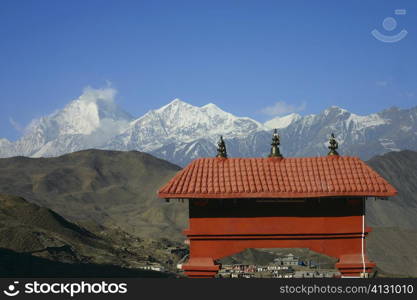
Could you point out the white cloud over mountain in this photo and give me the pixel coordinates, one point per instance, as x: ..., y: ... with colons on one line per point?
x: 282, y: 108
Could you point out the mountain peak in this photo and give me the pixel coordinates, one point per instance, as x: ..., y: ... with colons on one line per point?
x: 211, y: 106
x: 282, y: 122
x: 86, y: 113
x: 334, y: 109
x: 176, y: 103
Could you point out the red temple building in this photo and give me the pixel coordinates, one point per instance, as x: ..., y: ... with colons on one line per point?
x: 275, y: 202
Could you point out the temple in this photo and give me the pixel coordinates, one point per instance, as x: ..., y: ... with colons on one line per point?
x: 276, y: 202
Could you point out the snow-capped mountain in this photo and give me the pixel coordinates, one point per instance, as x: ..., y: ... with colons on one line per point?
x: 180, y: 132
x: 180, y: 122
x: 282, y: 122
x: 6, y: 148
x: 86, y: 122
x: 363, y: 136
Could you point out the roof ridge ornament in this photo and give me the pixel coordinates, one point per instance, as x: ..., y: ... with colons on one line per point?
x: 275, y: 145
x: 333, y: 145
x: 221, y: 148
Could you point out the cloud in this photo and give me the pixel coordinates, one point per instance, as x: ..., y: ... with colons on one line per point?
x: 382, y: 83
x: 281, y: 108
x: 108, y: 129
x: 112, y: 119
x: 93, y: 95
x: 407, y: 94
x: 16, y: 125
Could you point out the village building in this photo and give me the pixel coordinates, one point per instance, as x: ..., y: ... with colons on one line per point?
x: 287, y: 260
x: 277, y: 202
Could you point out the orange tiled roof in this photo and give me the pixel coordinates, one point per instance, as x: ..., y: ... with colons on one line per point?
x: 276, y: 178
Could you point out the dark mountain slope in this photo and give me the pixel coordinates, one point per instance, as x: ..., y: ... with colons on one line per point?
x: 36, y: 241
x: 400, y: 169
x: 394, y: 250
x: 14, y: 264
x: 393, y: 242
x: 106, y: 187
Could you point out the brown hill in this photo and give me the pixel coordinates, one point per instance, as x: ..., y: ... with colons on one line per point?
x: 36, y: 241
x: 109, y: 188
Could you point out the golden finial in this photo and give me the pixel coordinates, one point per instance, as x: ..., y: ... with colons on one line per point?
x: 333, y: 145
x: 221, y: 148
x: 275, y: 145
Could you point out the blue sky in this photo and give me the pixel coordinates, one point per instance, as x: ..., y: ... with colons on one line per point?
x: 244, y: 56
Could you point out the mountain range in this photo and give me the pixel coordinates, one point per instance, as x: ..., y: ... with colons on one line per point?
x: 180, y: 132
